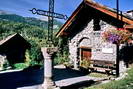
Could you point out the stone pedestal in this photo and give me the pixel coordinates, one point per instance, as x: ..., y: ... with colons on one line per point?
x: 48, y: 68
x: 122, y: 67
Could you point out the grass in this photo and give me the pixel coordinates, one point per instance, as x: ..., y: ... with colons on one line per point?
x: 126, y: 83
x: 98, y: 75
x: 20, y: 65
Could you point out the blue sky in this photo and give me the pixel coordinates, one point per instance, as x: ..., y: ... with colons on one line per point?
x: 21, y: 7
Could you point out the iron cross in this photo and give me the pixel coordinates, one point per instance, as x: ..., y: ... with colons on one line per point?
x: 51, y: 15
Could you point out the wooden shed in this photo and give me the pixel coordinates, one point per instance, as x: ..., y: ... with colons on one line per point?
x: 14, y: 48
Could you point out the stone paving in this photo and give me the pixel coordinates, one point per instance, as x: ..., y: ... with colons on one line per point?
x: 32, y: 78
x: 70, y: 77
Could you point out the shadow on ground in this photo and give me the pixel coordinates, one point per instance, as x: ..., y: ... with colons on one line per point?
x: 28, y: 77
x: 79, y: 85
x: 60, y: 74
x: 32, y: 77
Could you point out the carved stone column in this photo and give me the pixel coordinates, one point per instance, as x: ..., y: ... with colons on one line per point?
x: 48, y: 53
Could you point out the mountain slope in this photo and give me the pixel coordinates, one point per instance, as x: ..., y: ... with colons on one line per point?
x: 28, y: 20
x: 2, y: 12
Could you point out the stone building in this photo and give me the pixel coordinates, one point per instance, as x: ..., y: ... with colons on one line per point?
x: 85, y: 27
x: 13, y: 49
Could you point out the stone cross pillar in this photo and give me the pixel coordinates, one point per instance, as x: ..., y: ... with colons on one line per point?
x: 48, y: 67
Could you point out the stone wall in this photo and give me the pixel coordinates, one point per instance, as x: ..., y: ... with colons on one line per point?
x: 78, y: 40
x: 92, y: 39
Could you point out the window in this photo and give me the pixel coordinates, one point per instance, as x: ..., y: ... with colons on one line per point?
x: 96, y: 23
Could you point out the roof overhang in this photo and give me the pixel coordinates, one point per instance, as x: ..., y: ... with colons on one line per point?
x: 128, y: 26
x: 69, y: 21
x: 105, y: 10
x: 96, y: 6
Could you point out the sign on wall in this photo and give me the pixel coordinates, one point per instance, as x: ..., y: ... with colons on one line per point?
x: 107, y: 50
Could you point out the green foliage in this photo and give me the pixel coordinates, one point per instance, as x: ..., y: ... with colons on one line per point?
x: 126, y: 83
x: 60, y: 59
x: 20, y: 66
x: 28, y: 20
x: 27, y: 58
x: 62, y: 55
x: 36, y: 36
x: 85, y: 63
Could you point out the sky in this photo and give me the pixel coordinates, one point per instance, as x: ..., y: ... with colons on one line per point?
x: 22, y: 7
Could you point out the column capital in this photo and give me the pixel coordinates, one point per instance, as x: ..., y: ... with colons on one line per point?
x: 48, y: 51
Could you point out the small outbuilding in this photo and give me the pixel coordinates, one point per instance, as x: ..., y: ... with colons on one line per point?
x: 13, y: 48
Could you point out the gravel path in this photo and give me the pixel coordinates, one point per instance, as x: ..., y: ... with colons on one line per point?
x: 31, y: 79
x: 67, y: 77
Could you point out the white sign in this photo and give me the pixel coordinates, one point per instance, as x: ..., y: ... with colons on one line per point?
x: 107, y: 50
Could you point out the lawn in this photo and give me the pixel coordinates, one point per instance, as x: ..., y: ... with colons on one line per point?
x: 98, y: 75
x: 126, y: 83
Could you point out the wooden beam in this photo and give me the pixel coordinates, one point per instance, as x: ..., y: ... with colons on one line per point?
x: 64, y: 33
x: 70, y: 20
x: 128, y: 26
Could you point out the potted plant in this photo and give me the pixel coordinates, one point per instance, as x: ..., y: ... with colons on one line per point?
x: 116, y: 36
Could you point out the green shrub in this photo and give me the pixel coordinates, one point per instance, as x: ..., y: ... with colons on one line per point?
x: 20, y: 66
x: 85, y: 63
x: 33, y: 63
x: 62, y: 55
x: 61, y: 58
x: 34, y: 54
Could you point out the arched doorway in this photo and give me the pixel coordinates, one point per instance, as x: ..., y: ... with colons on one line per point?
x: 85, y: 54
x: 85, y: 50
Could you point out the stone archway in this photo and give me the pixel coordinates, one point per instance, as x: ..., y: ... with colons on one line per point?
x: 85, y: 41
x: 84, y: 49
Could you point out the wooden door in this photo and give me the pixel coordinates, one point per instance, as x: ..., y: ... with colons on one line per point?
x: 86, y: 54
